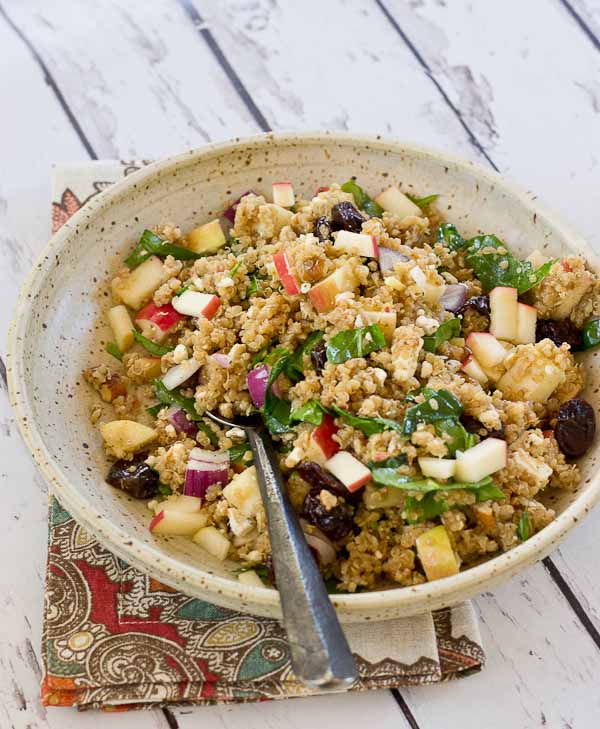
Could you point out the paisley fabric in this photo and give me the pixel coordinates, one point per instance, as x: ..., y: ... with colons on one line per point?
x: 114, y: 638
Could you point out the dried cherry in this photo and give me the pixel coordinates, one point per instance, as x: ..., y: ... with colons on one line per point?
x: 335, y: 522
x: 559, y: 332
x: 323, y: 228
x: 575, y: 427
x: 344, y: 216
x: 318, y: 356
x: 135, y: 477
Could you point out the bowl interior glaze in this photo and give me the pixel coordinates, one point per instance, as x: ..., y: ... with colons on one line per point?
x: 57, y: 332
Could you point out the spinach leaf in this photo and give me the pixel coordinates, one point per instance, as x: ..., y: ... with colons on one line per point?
x: 494, y: 265
x: 460, y: 438
x: 446, y: 406
x: 422, y: 202
x: 355, y: 343
x: 237, y: 451
x: 151, y: 245
x: 524, y: 526
x: 295, y: 367
x: 393, y: 462
x: 164, y: 490
x: 450, y: 237
x: 155, y: 409
x: 362, y: 200
x: 425, y: 509
x: 490, y: 492
x: 446, y: 330
x: 113, y: 350
x: 368, y: 426
x: 390, y: 477
x: 156, y: 349
x: 260, y: 356
x: 276, y: 412
x: 590, y: 334
x: 174, y: 397
x: 311, y: 412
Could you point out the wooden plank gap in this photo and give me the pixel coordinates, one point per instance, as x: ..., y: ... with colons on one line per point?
x: 221, y: 59
x: 423, y: 63
x: 170, y: 717
x: 408, y: 715
x: 3, y: 374
x: 51, y: 83
x: 572, y: 599
x: 581, y: 23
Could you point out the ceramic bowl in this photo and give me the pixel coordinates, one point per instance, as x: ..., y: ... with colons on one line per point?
x: 58, y: 324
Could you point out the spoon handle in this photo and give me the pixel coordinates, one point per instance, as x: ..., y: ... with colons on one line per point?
x: 321, y: 656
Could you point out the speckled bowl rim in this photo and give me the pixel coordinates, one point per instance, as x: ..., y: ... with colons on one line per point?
x: 152, y: 559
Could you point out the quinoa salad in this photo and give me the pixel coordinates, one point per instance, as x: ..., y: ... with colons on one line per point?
x: 421, y: 388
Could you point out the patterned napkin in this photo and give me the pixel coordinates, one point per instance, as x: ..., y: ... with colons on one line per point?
x: 115, y: 639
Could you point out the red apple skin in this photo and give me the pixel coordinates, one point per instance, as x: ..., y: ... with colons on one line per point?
x: 359, y: 484
x: 375, y: 247
x: 156, y: 521
x: 323, y: 437
x: 212, y: 307
x: 322, y: 300
x: 157, y: 321
x: 287, y: 278
x: 324, y: 188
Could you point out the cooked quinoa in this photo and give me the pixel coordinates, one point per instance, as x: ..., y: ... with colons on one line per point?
x: 420, y: 388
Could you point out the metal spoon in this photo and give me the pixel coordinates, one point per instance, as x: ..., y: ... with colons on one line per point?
x: 321, y: 655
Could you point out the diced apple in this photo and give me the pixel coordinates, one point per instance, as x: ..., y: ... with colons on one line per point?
x: 283, y: 194
x: 148, y: 368
x: 537, y: 258
x: 483, y: 459
x: 137, y: 286
x: 578, y: 286
x: 196, y: 303
x: 442, y: 468
x: 383, y: 497
x: 156, y: 322
x: 122, y: 327
x: 183, y: 503
x: 243, y: 492
x: 125, y: 437
x: 472, y: 367
x: 249, y: 577
x: 213, y: 541
x: 484, y: 515
x: 394, y: 201
x: 274, y: 218
x: 286, y: 273
x: 180, y: 373
x: 171, y: 522
x: 206, y: 238
x: 360, y: 243
x: 526, y: 324
x: 349, y: 470
x: 503, y: 312
x: 323, y: 434
x: 487, y: 349
x: 527, y: 381
x: 386, y: 320
x: 436, y: 554
x: 322, y: 295
x: 432, y: 290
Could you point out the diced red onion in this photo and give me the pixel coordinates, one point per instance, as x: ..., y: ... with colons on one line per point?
x: 221, y: 359
x: 454, y: 297
x: 388, y: 258
x: 205, y: 469
x: 257, y: 384
x: 180, y: 373
x: 180, y: 421
x: 230, y: 212
x: 319, y: 543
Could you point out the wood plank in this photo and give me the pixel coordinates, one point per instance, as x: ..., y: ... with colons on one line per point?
x: 136, y: 75
x: 586, y: 14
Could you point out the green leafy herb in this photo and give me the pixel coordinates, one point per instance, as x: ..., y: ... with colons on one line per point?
x: 236, y: 452
x: 355, y: 343
x: 155, y: 409
x: 494, y: 265
x: 113, y: 350
x: 450, y: 237
x: 254, y: 287
x: 491, y: 491
x: 260, y: 569
x: 362, y: 200
x: 183, y: 289
x: 368, y: 426
x: 260, y: 356
x: 423, y: 202
x: 524, y: 526
x: 390, y: 477
x: 158, y: 350
x: 446, y: 330
x: 174, y: 397
x: 425, y: 509
x: 460, y: 438
x: 164, y: 490
x: 276, y: 412
x: 446, y: 406
x: 333, y: 587
x: 590, y: 334
x: 393, y: 462
x: 151, y: 245
x: 235, y: 268
x: 295, y: 367
x: 311, y: 412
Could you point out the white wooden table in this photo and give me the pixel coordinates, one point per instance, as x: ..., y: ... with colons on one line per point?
x: 512, y: 84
